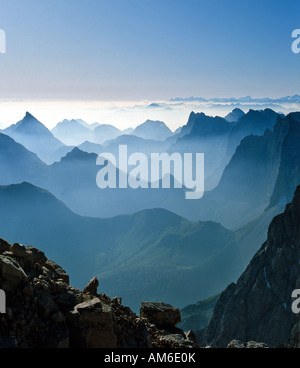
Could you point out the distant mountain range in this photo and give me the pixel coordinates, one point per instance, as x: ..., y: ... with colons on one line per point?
x: 155, y: 130
x: 255, y: 163
x: 253, y: 177
x: 251, y: 172
x: 33, y: 135
x: 235, y: 115
x: 246, y: 99
x: 167, y: 256
x: 17, y: 163
x: 196, y: 316
x: 258, y: 306
x: 75, y: 132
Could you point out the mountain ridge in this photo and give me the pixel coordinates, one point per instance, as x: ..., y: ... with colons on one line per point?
x: 258, y: 306
x: 116, y: 249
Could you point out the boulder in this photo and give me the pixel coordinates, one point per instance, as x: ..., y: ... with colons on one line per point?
x: 58, y: 270
x: 46, y: 303
x: 160, y: 314
x: 4, y: 246
x: 12, y: 273
x: 92, y: 287
x: 91, y: 325
x: 38, y: 255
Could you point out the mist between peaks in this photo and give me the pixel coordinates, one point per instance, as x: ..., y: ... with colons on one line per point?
x: 187, y: 171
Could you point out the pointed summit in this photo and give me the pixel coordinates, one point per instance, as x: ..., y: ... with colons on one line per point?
x: 33, y: 135
x: 28, y: 115
x: 28, y: 125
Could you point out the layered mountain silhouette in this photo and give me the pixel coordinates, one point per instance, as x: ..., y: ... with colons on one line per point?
x: 207, y: 135
x: 153, y: 253
x: 253, y: 123
x: 76, y: 131
x: 289, y: 168
x: 33, y: 135
x: 105, y: 132
x: 242, y: 195
x: 235, y: 115
x: 18, y: 164
x: 73, y: 132
x: 153, y: 130
x: 248, y: 181
x: 258, y: 306
x: 155, y: 244
x: 197, y: 316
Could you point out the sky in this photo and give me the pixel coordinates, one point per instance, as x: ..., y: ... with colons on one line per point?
x: 74, y: 58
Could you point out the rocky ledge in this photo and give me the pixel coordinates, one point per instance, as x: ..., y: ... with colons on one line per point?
x: 43, y: 310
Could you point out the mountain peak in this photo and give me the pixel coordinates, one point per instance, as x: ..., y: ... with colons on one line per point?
x: 151, y: 129
x: 28, y: 115
x: 29, y: 124
x: 258, y: 306
x: 78, y: 154
x: 29, y: 118
x: 235, y: 115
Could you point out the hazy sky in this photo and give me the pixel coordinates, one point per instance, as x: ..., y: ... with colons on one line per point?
x: 131, y: 50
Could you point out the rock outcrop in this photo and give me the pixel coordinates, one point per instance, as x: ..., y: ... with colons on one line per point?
x: 44, y: 311
x: 258, y: 307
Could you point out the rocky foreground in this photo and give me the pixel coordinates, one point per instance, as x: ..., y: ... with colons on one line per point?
x: 259, y: 306
x: 43, y: 310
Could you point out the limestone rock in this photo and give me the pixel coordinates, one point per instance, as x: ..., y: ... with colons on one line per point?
x: 44, y: 311
x: 92, y: 287
x: 11, y: 273
x: 160, y: 314
x: 54, y: 267
x: 91, y: 325
x: 258, y: 306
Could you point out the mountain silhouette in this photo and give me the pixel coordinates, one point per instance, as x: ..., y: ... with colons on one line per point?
x: 258, y: 306
x: 289, y: 169
x: 73, y: 132
x: 153, y: 130
x: 154, y: 253
x: 235, y: 115
x: 253, y: 123
x: 105, y: 132
x: 208, y: 135
x: 18, y: 164
x: 33, y: 135
x: 248, y: 181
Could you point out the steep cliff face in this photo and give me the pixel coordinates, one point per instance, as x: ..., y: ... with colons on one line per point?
x: 289, y: 169
x: 44, y: 311
x: 258, y: 307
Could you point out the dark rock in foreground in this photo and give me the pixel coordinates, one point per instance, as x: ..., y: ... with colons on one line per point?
x: 43, y: 310
x: 258, y: 307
